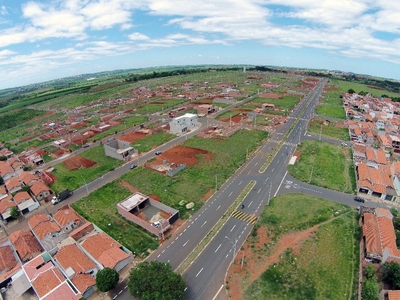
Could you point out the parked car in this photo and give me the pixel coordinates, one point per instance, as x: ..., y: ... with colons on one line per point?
x: 359, y: 199
x: 344, y: 144
x: 158, y: 152
x: 133, y: 166
x: 85, y: 146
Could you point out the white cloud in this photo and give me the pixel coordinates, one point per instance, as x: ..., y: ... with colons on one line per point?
x: 3, y: 10
x: 136, y: 36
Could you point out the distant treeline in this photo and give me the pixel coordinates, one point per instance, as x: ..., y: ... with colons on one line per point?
x: 155, y: 74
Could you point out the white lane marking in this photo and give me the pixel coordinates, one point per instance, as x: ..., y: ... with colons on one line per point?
x: 199, y: 272
x: 215, y: 297
x: 273, y: 170
x: 280, y: 184
x: 233, y: 227
x: 218, y: 248
x: 256, y: 164
x: 240, y: 182
x: 158, y: 255
x: 163, y: 251
x: 168, y: 260
x: 115, y: 297
x: 250, y: 203
x: 203, y: 224
x: 120, y: 292
x: 185, y: 243
x: 259, y: 191
x: 185, y: 289
x: 230, y: 194
x: 249, y: 172
x: 218, y: 208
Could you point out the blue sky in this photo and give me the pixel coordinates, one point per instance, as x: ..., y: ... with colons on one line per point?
x: 42, y: 40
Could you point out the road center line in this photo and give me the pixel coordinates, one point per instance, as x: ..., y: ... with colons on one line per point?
x: 230, y: 194
x: 218, y: 208
x: 240, y: 182
x: 203, y: 224
x: 199, y: 272
x: 233, y: 227
x: 186, y: 243
x: 250, y: 203
x: 259, y: 191
x: 218, y: 248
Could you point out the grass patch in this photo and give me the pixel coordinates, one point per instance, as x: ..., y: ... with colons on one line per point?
x: 287, y: 102
x: 151, y: 108
x: 151, y: 141
x: 316, y: 127
x: 358, y: 87
x: 75, y: 179
x: 323, y: 164
x: 100, y: 207
x: 325, y: 266
x: 332, y: 111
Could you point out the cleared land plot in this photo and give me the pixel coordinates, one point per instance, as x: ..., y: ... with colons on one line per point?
x: 77, y: 162
x: 100, y: 207
x: 74, y: 179
x: 334, y: 129
x: 326, y: 165
x: 301, y: 248
x: 178, y: 155
x: 331, y: 111
x: 133, y: 136
x: 197, y: 183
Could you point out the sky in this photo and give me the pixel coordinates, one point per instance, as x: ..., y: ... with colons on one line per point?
x: 43, y: 40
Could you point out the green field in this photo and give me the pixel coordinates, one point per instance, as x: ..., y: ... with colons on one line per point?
x: 73, y: 179
x: 100, y: 207
x: 358, y: 87
x: 331, y: 111
x: 151, y: 141
x: 325, y: 165
x: 315, y: 126
x: 326, y: 266
x: 287, y: 102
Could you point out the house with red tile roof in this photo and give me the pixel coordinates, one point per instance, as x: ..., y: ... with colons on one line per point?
x: 379, y: 236
x: 3, y: 192
x: 25, y: 202
x: 9, y: 264
x: 395, y: 140
x: 374, y: 181
x: 28, y: 178
x: 68, y: 219
x: 393, y: 295
x: 41, y: 191
x: 47, y: 232
x: 80, y: 269
x: 47, y: 281
x: 107, y: 251
x: 25, y: 244
x: 13, y: 185
x: 5, y: 207
x: 6, y: 171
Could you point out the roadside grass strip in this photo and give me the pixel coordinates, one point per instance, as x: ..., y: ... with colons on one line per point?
x: 213, y: 232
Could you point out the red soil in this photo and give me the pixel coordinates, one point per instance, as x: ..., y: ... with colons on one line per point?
x: 131, y: 137
x: 77, y: 162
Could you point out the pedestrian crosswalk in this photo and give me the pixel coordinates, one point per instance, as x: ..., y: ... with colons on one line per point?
x: 237, y: 214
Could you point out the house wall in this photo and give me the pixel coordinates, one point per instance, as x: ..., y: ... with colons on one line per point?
x: 119, y: 266
x: 8, y: 176
x: 131, y: 217
x: 396, y: 184
x: 112, y: 152
x: 42, y: 195
x: 174, y: 213
x: 83, y: 232
x: 179, y: 125
x: 33, y: 206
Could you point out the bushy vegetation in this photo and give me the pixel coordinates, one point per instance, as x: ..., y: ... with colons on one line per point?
x: 13, y: 119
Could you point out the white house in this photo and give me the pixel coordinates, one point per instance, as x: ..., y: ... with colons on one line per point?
x: 183, y: 123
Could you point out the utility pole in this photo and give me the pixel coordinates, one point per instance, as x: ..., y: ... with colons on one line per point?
x: 216, y: 182
x: 87, y: 190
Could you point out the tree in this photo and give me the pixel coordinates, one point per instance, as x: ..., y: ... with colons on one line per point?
x: 155, y: 281
x: 370, y: 290
x: 14, y: 212
x: 106, y: 279
x: 351, y: 91
x: 391, y: 274
x: 369, y: 272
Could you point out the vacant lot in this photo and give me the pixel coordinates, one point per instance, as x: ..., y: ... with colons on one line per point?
x: 301, y: 248
x: 326, y: 165
x: 331, y: 111
x: 74, y: 179
x: 286, y: 103
x: 332, y: 129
